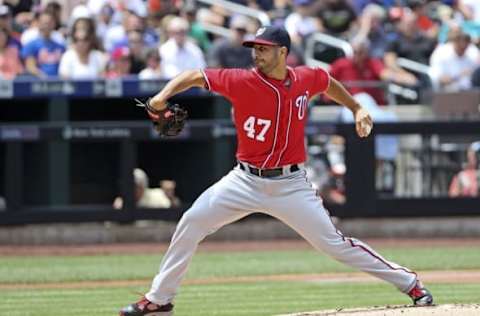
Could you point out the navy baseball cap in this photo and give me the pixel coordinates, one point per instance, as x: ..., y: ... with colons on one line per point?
x: 271, y: 36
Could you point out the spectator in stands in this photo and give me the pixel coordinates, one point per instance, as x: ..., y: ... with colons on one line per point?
x: 104, y: 20
x: 179, y: 53
x: 360, y: 5
x: 20, y: 6
x: 168, y: 186
x: 118, y: 35
x: 136, y: 44
x: 362, y: 67
x: 120, y: 8
x: 161, y: 8
x: 153, y: 69
x: 86, y: 25
x: 229, y: 52
x: 409, y: 44
x: 425, y: 24
x: 55, y: 9
x: 138, y: 24
x: 452, y: 63
x: 466, y: 183
x: 120, y: 63
x: 196, y: 31
x: 82, y: 60
x: 80, y: 10
x: 21, y: 22
x: 7, y: 24
x: 300, y: 23
x: 10, y: 63
x: 42, y: 55
x: 337, y: 17
x: 33, y: 32
x: 373, y: 26
x: 451, y: 17
x: 445, y: 17
x: 470, y: 9
x: 214, y: 14
x: 279, y: 11
x: 145, y: 197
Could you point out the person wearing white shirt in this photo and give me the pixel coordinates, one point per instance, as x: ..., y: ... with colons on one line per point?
x: 145, y: 197
x: 178, y: 53
x: 81, y: 61
x: 452, y: 63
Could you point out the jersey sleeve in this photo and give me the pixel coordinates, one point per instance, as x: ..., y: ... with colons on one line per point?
x: 321, y: 80
x: 221, y: 81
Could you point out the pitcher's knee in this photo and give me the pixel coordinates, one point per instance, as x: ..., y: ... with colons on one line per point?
x: 333, y: 246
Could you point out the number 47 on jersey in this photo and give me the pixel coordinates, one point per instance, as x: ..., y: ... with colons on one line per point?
x: 256, y: 133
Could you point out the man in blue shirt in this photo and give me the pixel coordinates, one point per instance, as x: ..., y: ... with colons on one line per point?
x: 42, y: 55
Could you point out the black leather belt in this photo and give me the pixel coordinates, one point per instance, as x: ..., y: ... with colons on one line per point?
x: 267, y: 173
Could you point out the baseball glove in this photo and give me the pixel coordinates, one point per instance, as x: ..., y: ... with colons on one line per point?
x: 167, y: 122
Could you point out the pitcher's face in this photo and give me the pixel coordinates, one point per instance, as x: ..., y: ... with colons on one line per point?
x: 266, y: 57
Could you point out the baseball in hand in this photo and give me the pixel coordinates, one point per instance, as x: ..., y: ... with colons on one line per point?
x: 363, y: 122
x: 366, y: 127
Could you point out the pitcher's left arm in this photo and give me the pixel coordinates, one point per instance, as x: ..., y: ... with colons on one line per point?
x: 363, y: 121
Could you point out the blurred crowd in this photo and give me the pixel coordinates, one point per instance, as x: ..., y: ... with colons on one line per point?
x: 157, y: 39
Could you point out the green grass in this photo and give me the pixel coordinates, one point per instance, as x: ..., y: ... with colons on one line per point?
x: 44, y: 269
x: 267, y: 298
x: 255, y: 298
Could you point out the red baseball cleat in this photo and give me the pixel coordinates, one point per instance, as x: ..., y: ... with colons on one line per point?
x: 146, y: 308
x: 420, y: 295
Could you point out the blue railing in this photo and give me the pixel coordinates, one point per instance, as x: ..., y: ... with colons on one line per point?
x: 102, y: 88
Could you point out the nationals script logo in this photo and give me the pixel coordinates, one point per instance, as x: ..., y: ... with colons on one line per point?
x: 301, y: 102
x: 260, y: 31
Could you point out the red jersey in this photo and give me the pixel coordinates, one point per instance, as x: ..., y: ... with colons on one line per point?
x: 344, y: 69
x: 269, y: 115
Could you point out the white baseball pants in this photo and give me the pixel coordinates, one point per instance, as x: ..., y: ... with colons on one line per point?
x: 289, y: 198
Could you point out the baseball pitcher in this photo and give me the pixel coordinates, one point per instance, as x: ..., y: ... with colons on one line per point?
x: 270, y: 113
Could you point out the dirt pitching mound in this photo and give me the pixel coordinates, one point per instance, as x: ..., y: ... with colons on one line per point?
x: 440, y: 310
